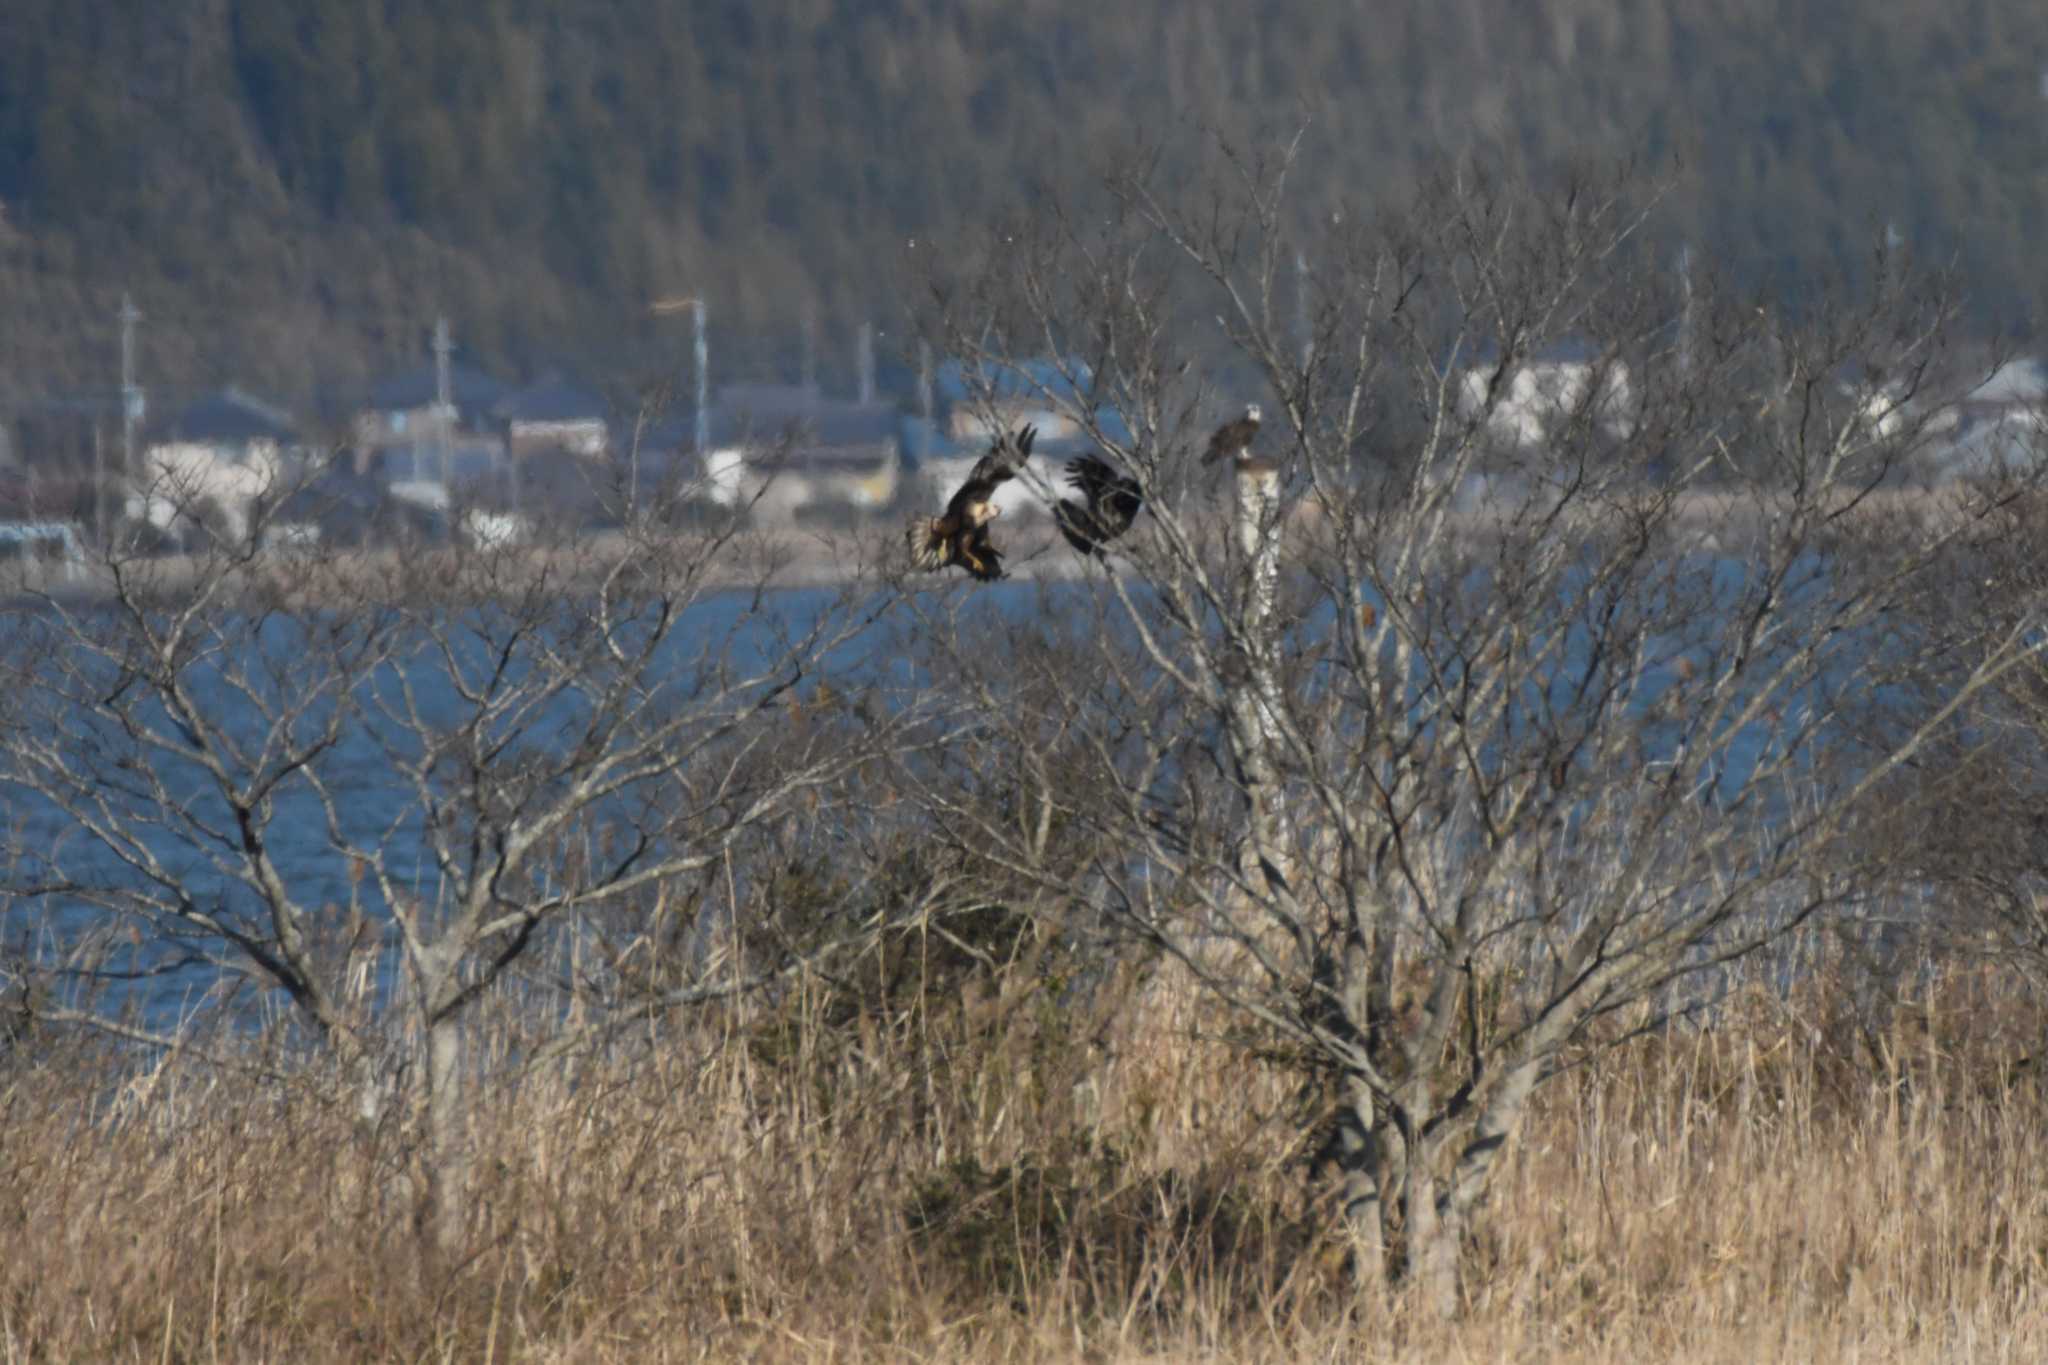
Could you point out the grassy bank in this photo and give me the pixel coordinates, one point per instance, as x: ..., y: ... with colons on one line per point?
x: 973, y: 1174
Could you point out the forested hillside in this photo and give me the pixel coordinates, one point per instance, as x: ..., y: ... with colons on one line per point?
x: 292, y: 191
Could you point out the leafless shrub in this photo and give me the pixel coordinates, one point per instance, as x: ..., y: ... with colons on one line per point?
x: 383, y: 784
x: 1961, y: 836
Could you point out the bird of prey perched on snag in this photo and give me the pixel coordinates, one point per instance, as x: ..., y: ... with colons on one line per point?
x: 1234, y: 439
x: 961, y: 536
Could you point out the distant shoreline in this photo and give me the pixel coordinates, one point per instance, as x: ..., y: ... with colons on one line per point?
x: 779, y: 559
x: 783, y: 558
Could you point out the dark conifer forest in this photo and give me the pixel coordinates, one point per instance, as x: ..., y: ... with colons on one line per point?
x: 293, y: 191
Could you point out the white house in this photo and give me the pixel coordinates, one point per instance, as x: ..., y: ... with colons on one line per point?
x: 220, y: 453
x: 1538, y: 395
x: 43, y: 548
x: 2001, y: 424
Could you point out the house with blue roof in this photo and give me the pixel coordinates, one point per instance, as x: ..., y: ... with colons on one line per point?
x: 404, y: 408
x: 976, y: 401
x: 791, y: 452
x: 554, y: 414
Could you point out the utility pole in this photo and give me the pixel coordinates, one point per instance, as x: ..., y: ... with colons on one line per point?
x: 866, y: 359
x: 924, y: 400
x: 663, y: 307
x: 444, y: 393
x: 1685, y: 335
x: 131, y: 393
x: 1308, y: 343
x: 703, y: 352
x: 99, y: 486
x: 810, y: 361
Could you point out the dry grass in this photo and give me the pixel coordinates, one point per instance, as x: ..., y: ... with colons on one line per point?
x: 999, y: 1179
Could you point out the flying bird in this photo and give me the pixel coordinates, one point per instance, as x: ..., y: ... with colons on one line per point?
x: 1108, y: 504
x: 1234, y: 439
x: 961, y: 535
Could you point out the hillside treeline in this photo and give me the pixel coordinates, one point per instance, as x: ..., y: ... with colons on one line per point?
x: 293, y: 192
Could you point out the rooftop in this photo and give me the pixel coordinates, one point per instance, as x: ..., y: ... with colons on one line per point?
x: 472, y: 389
x: 552, y: 399
x: 229, y: 415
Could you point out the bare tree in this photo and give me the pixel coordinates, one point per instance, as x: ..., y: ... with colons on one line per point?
x: 378, y: 782
x: 1961, y: 836
x: 1502, y: 698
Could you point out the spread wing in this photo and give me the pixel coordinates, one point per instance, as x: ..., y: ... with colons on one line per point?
x: 1108, y: 504
x: 998, y: 467
x: 1114, y: 498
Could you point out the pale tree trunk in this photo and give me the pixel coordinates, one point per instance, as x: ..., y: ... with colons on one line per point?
x: 1254, y: 719
x: 1437, y: 1220
x: 1432, y: 1242
x: 1469, y: 1179
x: 1361, y: 1201
x: 447, y: 1137
x: 1355, y: 1146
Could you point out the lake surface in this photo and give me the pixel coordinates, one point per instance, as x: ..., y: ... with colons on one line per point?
x: 182, y: 839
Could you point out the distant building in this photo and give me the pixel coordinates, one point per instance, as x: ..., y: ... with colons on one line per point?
x: 553, y: 414
x: 2000, y: 425
x: 1537, y: 396
x: 433, y: 472
x: 405, y: 408
x: 232, y: 421
x: 219, y: 453
x: 40, y: 552
x: 976, y: 402
x: 2016, y: 386
x: 790, y: 452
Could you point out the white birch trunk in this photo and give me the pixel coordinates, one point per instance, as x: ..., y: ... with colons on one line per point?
x: 1254, y: 700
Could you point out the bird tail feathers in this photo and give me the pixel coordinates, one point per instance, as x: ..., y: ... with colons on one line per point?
x: 930, y: 548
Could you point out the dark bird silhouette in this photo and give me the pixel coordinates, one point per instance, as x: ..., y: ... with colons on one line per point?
x: 961, y: 535
x: 1233, y: 439
x: 1108, y: 504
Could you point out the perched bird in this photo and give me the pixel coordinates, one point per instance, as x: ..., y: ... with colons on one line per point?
x: 1108, y: 504
x: 961, y: 535
x: 1234, y: 439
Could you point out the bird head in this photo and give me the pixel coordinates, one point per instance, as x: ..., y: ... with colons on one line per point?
x: 1251, y: 411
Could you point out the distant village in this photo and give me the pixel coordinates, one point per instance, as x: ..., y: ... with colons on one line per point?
x: 442, y: 450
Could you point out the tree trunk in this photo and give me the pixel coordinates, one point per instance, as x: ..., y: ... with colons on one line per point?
x: 1432, y: 1244
x: 447, y: 1138
x: 1361, y: 1205
x: 1254, y: 719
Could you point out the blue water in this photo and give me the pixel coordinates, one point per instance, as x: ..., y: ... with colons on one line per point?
x: 372, y: 774
x: 114, y: 813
